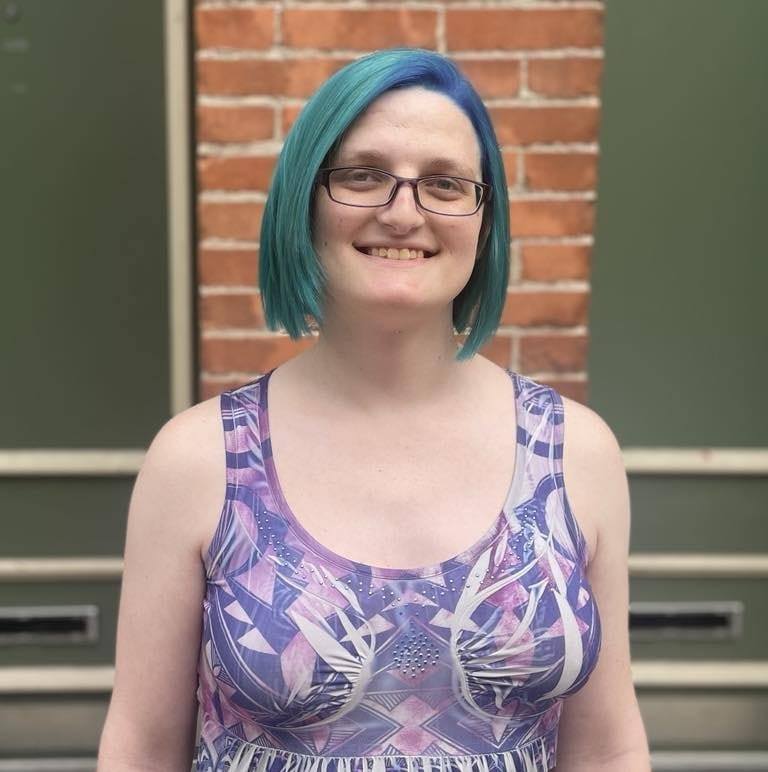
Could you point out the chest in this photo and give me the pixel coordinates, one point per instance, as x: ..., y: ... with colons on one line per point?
x: 400, y: 496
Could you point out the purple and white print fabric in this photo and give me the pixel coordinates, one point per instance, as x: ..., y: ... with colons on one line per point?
x: 311, y: 662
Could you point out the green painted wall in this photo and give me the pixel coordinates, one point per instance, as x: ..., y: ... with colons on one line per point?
x: 84, y: 332
x: 679, y: 334
x: 678, y: 324
x: 83, y: 296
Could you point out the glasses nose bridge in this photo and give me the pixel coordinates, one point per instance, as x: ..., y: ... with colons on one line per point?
x: 411, y: 182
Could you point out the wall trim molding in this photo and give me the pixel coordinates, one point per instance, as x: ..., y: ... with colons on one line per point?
x: 705, y: 674
x: 49, y: 764
x: 70, y: 462
x: 646, y: 565
x: 111, y: 461
x: 698, y: 565
x: 60, y: 569
x: 646, y: 674
x: 55, y: 679
x: 709, y: 761
x: 178, y: 107
x: 699, y: 461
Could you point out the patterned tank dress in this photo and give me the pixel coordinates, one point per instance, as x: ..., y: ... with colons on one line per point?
x: 311, y: 662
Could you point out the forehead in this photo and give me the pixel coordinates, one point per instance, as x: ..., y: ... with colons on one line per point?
x: 413, y: 125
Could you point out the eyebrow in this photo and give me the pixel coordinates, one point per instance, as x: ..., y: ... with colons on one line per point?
x: 434, y: 165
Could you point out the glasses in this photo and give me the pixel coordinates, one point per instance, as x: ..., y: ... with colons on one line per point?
x: 368, y: 187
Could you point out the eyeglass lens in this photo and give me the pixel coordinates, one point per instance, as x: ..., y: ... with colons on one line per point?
x: 368, y: 187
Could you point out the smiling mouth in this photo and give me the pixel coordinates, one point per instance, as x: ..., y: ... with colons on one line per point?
x: 392, y: 253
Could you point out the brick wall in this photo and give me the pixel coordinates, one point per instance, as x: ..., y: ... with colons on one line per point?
x: 538, y: 67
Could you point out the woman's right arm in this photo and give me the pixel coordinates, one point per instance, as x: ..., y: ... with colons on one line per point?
x: 152, y: 716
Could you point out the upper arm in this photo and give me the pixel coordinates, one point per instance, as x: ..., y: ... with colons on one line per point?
x: 152, y: 714
x: 602, y: 719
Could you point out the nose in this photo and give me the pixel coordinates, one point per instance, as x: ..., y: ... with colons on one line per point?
x: 401, y: 214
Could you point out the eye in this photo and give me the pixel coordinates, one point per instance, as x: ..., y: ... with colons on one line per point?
x: 358, y: 177
x: 446, y: 187
x: 447, y: 183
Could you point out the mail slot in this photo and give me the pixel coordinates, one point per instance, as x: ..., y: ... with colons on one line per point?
x: 20, y: 625
x: 685, y: 620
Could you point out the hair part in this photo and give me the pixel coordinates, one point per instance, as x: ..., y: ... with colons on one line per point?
x: 291, y: 276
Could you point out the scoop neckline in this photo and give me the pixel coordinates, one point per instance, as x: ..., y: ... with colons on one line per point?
x: 457, y: 561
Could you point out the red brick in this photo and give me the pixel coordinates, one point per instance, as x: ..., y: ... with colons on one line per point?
x: 208, y: 388
x: 233, y: 267
x: 551, y: 218
x: 493, y: 77
x: 498, y: 349
x: 559, y: 309
x: 234, y: 124
x: 229, y: 220
x: 510, y: 28
x: 565, y: 77
x: 250, y: 354
x: 576, y: 390
x: 219, y: 312
x: 304, y: 76
x: 551, y: 262
x: 251, y: 28
x: 553, y: 353
x: 361, y: 29
x: 239, y: 77
x: 560, y: 171
x: 289, y: 78
x: 290, y: 114
x: 510, y: 166
x: 526, y: 125
x: 235, y: 173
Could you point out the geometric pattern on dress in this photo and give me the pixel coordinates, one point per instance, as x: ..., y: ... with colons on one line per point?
x: 312, y: 661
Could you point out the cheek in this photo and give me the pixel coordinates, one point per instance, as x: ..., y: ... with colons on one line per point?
x: 464, y: 234
x: 319, y: 225
x: 330, y: 225
x: 477, y: 230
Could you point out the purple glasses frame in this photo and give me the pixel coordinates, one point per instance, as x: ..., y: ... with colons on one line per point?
x: 323, y: 178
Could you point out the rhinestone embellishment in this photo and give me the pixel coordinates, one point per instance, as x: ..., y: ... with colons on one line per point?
x: 414, y: 652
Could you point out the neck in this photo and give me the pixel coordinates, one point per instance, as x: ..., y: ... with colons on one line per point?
x: 378, y: 366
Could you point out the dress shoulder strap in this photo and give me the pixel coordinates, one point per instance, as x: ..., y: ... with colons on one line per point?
x: 246, y: 481
x: 542, y: 426
x: 240, y: 415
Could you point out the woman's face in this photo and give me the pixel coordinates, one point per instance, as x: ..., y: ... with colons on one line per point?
x: 411, y: 133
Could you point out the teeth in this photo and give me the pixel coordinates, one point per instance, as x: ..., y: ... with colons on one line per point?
x: 395, y: 254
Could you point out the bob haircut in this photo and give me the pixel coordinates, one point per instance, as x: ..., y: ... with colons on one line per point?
x: 291, y: 276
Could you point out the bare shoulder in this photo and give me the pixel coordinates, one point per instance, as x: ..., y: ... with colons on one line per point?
x: 602, y: 720
x: 588, y: 429
x: 180, y: 484
x: 187, y: 456
x: 594, y: 473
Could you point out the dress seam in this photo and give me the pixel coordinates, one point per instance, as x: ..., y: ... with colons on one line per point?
x: 448, y: 756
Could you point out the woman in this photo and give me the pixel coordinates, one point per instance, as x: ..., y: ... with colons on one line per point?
x: 394, y: 577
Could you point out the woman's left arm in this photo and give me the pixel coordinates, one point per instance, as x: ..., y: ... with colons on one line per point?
x: 601, y: 729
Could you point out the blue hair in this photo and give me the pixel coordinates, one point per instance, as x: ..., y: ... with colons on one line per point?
x: 291, y: 277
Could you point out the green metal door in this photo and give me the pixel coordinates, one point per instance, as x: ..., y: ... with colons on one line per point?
x: 94, y: 337
x: 678, y: 356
